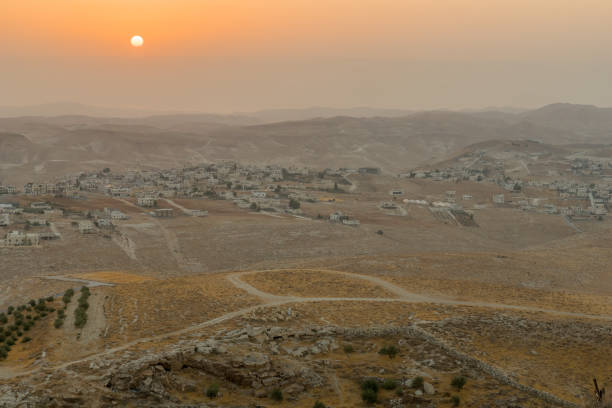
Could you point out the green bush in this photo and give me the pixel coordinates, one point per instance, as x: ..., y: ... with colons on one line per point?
x: 294, y: 204
x: 319, y: 404
x: 458, y: 382
x: 276, y: 395
x: 389, y: 384
x: 370, y: 384
x: 26, y: 339
x: 58, y: 323
x: 80, y: 314
x: 455, y: 400
x: 369, y: 396
x: 212, y: 391
x: 348, y: 348
x: 418, y: 382
x: 390, y: 351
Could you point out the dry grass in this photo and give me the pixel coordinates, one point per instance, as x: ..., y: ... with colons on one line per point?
x: 154, y: 307
x: 117, y: 277
x: 314, y: 284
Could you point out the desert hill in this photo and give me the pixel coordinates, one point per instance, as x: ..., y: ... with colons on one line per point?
x: 391, y: 143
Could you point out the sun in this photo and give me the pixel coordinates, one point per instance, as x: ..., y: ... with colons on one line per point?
x: 137, y: 41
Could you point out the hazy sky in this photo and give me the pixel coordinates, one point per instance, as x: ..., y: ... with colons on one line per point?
x: 231, y: 55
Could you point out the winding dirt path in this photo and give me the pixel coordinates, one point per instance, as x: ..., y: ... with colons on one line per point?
x: 402, y: 295
x: 271, y: 300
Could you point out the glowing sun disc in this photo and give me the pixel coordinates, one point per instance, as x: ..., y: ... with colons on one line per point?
x: 137, y: 41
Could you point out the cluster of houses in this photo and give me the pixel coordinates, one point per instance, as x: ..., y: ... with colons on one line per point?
x: 244, y: 184
x: 28, y: 218
x: 575, y: 198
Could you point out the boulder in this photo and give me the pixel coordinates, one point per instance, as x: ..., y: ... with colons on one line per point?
x: 429, y: 389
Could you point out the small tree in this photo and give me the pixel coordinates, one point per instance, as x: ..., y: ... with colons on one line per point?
x: 348, y: 348
x: 455, y: 400
x: 319, y: 404
x: 369, y: 391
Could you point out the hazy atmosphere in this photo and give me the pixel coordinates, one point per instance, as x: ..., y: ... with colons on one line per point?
x: 243, y: 55
x: 305, y: 203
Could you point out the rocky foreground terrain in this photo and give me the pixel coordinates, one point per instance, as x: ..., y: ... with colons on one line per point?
x: 289, y: 350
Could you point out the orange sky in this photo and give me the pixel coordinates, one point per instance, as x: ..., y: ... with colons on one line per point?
x: 472, y: 32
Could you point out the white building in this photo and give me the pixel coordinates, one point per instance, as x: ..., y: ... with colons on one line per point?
x: 118, y: 215
x: 17, y: 238
x: 86, y: 227
x: 147, y: 201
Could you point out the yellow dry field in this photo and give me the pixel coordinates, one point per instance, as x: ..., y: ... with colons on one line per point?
x: 305, y: 283
x: 563, y: 366
x: 116, y: 277
x: 136, y: 310
x: 494, y: 293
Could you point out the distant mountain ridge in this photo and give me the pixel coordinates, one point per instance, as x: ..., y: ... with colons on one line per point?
x: 52, y: 146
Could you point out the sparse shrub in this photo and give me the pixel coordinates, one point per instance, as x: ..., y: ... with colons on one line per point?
x: 32, y: 303
x: 389, y: 384
x: 348, y: 348
x: 455, y: 400
x: 390, y: 351
x: 294, y: 204
x: 458, y: 382
x: 369, y: 396
x: 370, y: 384
x: 50, y: 299
x: 212, y: 391
x: 417, y: 382
x: 380, y: 232
x: 276, y: 395
x: 58, y: 323
x: 319, y: 404
x: 26, y: 339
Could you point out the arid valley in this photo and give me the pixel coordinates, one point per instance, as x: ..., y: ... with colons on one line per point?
x: 476, y: 273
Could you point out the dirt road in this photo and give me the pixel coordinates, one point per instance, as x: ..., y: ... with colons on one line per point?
x: 271, y: 300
